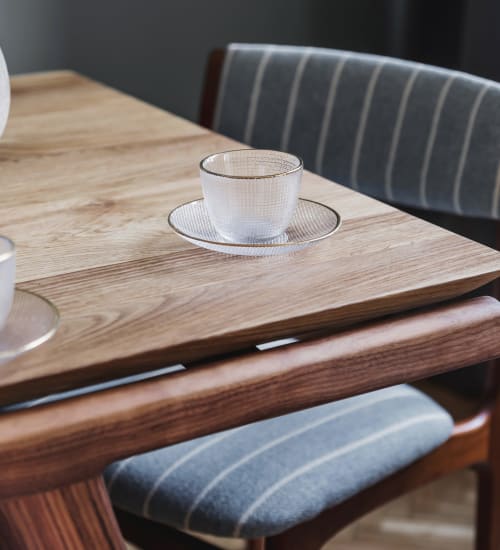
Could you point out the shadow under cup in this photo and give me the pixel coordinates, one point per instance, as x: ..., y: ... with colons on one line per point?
x: 7, y: 277
x: 251, y: 194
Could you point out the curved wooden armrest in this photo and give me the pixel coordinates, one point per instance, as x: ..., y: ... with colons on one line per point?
x: 64, y: 442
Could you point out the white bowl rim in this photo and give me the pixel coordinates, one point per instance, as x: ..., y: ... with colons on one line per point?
x: 12, y: 249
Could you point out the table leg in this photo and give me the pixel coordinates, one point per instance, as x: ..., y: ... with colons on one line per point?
x: 77, y: 516
x: 488, y: 504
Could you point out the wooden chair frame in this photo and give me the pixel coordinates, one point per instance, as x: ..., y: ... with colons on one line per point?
x: 54, y: 496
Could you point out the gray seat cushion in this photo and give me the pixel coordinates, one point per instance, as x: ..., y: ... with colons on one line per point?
x: 265, y: 477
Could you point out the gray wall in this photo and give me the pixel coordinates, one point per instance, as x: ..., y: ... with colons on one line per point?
x: 157, y: 49
x: 32, y: 34
x: 159, y: 53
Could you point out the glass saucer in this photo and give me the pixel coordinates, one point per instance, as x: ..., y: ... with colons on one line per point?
x: 32, y: 321
x: 311, y: 223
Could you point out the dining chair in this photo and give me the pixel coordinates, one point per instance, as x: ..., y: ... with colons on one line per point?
x: 406, y: 133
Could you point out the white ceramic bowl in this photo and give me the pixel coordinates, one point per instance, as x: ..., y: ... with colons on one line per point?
x: 4, y: 94
x: 7, y: 277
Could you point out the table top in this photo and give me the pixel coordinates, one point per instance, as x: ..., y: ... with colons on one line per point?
x: 88, y: 176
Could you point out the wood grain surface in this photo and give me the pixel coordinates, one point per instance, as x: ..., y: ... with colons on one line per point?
x: 76, y: 517
x: 87, y: 178
x: 89, y: 432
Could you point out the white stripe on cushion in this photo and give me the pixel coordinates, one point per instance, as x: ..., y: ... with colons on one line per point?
x: 397, y: 131
x: 116, y: 473
x: 193, y: 452
x: 465, y: 148
x: 400, y: 426
x: 360, y: 135
x: 292, y: 100
x: 254, y: 98
x: 299, y: 431
x: 330, y: 102
x: 432, y: 138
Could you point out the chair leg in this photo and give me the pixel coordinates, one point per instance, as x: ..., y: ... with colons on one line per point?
x: 287, y: 541
x: 488, y: 498
x: 149, y: 535
x: 76, y: 516
x: 488, y: 507
x: 256, y: 544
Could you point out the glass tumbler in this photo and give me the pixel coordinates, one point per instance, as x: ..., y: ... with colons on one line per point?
x: 7, y: 277
x: 251, y: 194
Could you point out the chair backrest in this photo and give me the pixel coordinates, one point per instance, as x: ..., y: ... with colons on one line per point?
x: 404, y: 132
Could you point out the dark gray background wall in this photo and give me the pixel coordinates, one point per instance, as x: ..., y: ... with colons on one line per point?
x: 157, y: 49
x: 32, y: 34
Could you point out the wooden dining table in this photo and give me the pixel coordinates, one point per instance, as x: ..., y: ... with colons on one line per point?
x: 88, y: 176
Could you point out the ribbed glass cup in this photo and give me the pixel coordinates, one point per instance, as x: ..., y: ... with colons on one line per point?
x: 7, y: 277
x: 251, y: 194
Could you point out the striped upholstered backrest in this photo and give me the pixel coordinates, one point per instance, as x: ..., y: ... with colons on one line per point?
x: 401, y: 131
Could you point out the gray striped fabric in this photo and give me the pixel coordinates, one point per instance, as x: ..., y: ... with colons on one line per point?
x: 263, y: 478
x: 404, y: 132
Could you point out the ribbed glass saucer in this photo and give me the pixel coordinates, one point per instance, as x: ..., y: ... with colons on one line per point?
x: 32, y: 321
x: 311, y: 223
